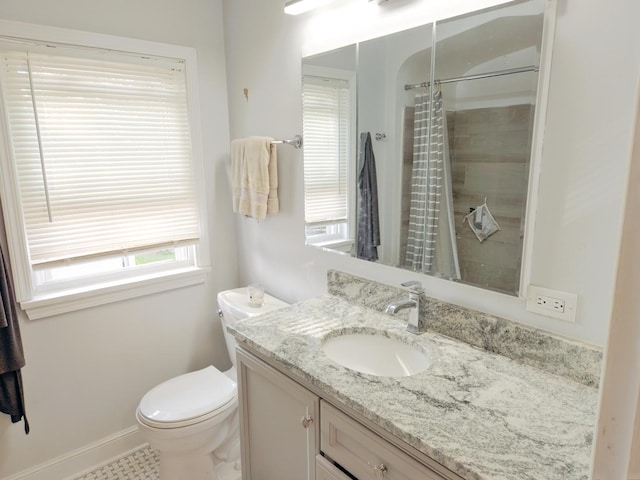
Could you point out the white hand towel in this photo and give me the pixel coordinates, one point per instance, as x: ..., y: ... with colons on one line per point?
x: 254, y: 177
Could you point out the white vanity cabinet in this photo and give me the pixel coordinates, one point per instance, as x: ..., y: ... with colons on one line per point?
x: 284, y: 427
x: 279, y: 431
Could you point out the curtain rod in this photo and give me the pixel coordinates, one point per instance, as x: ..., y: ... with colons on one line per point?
x: 497, y: 73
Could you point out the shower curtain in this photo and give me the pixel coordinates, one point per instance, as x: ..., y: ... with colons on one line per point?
x: 431, y: 240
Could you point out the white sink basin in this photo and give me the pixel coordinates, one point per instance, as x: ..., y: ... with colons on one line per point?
x: 376, y: 355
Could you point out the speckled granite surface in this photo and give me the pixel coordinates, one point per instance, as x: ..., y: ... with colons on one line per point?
x: 537, y: 348
x: 483, y: 416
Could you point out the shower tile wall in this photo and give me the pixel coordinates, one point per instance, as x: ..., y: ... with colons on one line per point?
x: 490, y: 152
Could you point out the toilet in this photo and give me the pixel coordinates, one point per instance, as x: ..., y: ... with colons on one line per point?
x: 192, y: 420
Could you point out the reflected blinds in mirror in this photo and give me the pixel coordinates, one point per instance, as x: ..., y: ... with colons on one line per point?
x: 326, y: 116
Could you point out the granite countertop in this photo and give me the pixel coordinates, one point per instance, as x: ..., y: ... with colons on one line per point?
x: 481, y: 415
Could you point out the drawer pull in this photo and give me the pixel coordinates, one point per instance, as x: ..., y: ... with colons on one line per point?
x: 379, y: 470
x: 306, y: 421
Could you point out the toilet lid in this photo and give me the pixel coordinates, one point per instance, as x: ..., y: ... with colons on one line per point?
x: 188, y: 396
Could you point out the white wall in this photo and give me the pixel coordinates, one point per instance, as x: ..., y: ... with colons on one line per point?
x: 87, y: 370
x: 584, y: 167
x: 587, y: 145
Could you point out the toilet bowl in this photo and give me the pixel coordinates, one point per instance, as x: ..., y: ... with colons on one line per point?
x: 192, y: 420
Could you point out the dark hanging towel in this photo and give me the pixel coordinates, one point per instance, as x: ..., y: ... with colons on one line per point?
x: 11, y: 354
x: 368, y: 221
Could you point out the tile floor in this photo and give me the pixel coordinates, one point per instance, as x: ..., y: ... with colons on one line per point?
x: 139, y: 465
x: 143, y: 464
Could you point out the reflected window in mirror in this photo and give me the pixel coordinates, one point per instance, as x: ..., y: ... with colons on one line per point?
x: 329, y: 119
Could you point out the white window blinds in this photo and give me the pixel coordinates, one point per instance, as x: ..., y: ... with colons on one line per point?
x: 326, y: 114
x: 102, y: 154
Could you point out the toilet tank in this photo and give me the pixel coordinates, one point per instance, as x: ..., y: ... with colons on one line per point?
x: 234, y: 306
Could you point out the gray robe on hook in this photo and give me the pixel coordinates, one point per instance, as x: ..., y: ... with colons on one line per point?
x: 368, y: 220
x: 11, y: 353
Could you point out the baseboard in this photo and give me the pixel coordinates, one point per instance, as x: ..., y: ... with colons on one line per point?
x: 84, y: 459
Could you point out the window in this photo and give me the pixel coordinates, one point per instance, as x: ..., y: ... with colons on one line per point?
x: 99, y: 173
x: 327, y: 121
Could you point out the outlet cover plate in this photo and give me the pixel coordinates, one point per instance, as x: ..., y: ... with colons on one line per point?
x: 549, y: 299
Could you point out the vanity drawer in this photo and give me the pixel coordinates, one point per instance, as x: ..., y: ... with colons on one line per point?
x: 325, y: 470
x: 363, y: 453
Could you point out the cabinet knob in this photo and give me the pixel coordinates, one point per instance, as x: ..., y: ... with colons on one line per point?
x: 379, y: 470
x: 306, y: 421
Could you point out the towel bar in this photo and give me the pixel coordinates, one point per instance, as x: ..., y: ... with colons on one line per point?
x: 295, y: 141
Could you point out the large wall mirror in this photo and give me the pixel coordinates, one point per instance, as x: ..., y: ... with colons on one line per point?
x: 418, y: 145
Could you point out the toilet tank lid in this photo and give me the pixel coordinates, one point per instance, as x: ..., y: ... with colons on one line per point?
x: 188, y: 396
x: 237, y: 302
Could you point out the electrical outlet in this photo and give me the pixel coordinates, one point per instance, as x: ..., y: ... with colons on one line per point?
x: 552, y: 303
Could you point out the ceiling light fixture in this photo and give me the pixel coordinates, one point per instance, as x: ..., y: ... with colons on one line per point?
x: 296, y: 7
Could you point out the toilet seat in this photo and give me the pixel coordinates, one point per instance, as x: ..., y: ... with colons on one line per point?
x: 188, y: 399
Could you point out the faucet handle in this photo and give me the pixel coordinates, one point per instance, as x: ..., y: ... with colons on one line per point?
x: 415, y: 286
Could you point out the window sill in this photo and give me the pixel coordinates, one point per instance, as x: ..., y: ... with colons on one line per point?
x: 47, y: 305
x: 340, y: 245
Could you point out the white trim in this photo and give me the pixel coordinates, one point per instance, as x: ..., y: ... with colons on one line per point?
x: 94, y: 295
x: 542, y: 100
x: 85, y: 459
x: 12, y: 212
x: 45, y: 33
x: 193, y: 101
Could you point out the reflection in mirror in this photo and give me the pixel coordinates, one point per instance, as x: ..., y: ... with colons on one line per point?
x: 442, y: 146
x: 486, y: 82
x: 329, y: 122
x: 385, y: 64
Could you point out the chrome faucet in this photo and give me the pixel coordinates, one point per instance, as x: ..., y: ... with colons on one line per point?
x: 416, y: 324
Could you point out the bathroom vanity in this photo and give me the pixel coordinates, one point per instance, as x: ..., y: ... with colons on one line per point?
x: 296, y: 422
x: 470, y: 415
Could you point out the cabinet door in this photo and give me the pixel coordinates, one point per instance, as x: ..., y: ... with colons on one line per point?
x: 279, y: 431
